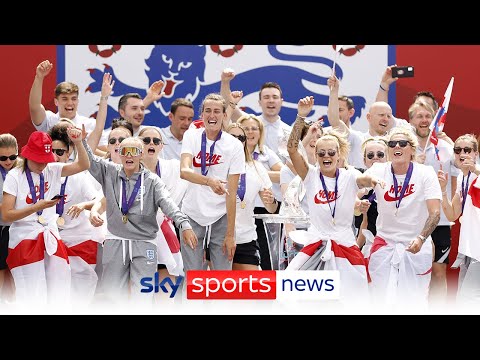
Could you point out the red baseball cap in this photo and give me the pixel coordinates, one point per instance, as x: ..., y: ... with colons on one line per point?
x: 38, y: 148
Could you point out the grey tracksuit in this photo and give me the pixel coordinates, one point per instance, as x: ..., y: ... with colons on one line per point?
x: 142, y: 225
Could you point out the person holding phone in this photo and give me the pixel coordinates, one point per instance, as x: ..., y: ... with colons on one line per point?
x: 465, y: 206
x: 38, y: 258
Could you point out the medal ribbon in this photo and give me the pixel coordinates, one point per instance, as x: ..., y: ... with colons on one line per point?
x: 404, y: 187
x: 32, y: 187
x: 465, y: 190
x: 326, y: 192
x: 242, y: 187
x: 158, y: 170
x: 203, y: 154
x: 126, y: 206
x: 61, y: 203
x: 4, y: 172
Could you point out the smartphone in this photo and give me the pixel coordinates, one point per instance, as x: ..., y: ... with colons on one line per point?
x: 402, y: 71
x: 58, y: 196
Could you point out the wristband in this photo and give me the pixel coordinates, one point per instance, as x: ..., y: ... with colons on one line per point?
x: 381, y: 87
x: 422, y: 238
x: 103, y: 97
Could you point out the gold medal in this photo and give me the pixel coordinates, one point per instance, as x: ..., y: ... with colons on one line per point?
x: 357, y: 212
x: 124, y: 219
x: 41, y: 220
x: 243, y: 204
x: 60, y: 221
x: 333, y: 221
x: 396, y: 212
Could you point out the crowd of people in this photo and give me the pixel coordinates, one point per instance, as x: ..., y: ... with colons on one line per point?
x: 88, y: 212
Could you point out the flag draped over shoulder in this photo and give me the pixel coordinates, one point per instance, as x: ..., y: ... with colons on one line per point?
x: 468, y: 237
x: 439, y: 122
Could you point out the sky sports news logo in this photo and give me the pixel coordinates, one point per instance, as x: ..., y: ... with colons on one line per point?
x: 249, y: 285
x: 263, y: 285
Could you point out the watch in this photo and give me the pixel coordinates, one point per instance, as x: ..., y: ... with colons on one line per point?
x: 421, y: 237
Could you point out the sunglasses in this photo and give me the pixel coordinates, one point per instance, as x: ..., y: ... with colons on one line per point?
x: 59, y: 152
x: 402, y: 143
x: 330, y: 152
x: 11, y: 157
x: 156, y: 141
x: 242, y: 138
x: 456, y: 150
x: 371, y: 155
x: 113, y: 140
x: 130, y: 151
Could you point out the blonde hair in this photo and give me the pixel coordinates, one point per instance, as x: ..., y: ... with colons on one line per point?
x: 341, y: 141
x: 374, y: 139
x: 248, y: 157
x: 146, y: 128
x: 9, y: 141
x: 408, y: 132
x: 261, y: 128
x: 469, y: 138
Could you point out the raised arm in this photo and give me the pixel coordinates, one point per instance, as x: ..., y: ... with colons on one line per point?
x: 154, y: 93
x: 227, y: 76
x: 333, y: 112
x: 37, y: 110
x: 304, y: 107
x: 387, y: 80
x: 82, y: 162
x: 94, y: 137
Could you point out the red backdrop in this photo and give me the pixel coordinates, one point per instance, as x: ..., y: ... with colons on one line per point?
x: 434, y: 66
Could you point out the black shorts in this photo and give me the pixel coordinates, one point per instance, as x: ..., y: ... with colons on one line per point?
x: 442, y: 239
x: 248, y: 253
x: 4, y: 236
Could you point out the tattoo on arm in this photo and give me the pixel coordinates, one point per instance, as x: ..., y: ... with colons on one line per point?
x: 431, y: 223
x: 294, y: 138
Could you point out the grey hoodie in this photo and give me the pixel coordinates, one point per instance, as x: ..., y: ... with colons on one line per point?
x: 141, y: 224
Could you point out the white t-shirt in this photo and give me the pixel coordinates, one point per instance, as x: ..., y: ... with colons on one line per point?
x: 51, y: 119
x: 413, y: 211
x: 268, y: 158
x: 16, y: 184
x: 172, y: 146
x: 321, y: 204
x: 78, y: 189
x: 447, y: 161
x: 256, y: 179
x: 200, y: 202
x: 170, y: 174
x: 276, y: 133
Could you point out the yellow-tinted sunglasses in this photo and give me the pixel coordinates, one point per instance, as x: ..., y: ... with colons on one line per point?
x: 130, y: 151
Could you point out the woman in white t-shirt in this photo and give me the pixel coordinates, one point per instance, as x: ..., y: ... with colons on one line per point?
x: 400, y: 261
x: 38, y: 258
x: 331, y: 193
x: 78, y: 235
x: 466, y: 205
x: 254, y: 182
x: 169, y: 258
x: 265, y: 156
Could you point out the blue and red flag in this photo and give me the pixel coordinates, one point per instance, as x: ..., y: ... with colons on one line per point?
x: 439, y: 122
